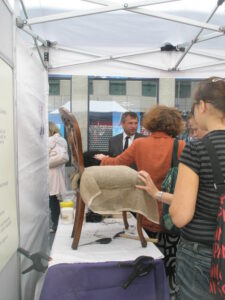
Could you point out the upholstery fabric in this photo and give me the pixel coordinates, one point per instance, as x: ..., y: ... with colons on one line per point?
x: 109, y: 189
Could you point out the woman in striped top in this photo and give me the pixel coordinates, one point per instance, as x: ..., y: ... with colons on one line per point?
x: 195, y: 203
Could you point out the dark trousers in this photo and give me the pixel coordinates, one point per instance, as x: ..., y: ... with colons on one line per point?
x: 55, y: 210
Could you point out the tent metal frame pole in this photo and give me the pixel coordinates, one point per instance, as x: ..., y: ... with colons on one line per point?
x: 194, y: 40
x: 60, y: 47
x: 8, y: 6
x: 204, y: 38
x: 118, y: 60
x: 181, y: 20
x: 34, y: 36
x: 83, y: 62
x: 102, y: 2
x: 112, y: 57
x: 203, y: 65
x: 169, y: 17
x: 142, y: 65
x: 210, y: 55
x: 75, y: 14
x: 135, y: 8
x: 164, y: 16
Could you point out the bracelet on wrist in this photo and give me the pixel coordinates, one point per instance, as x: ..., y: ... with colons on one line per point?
x: 159, y: 196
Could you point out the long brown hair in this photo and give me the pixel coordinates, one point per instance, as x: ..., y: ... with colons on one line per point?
x: 211, y: 90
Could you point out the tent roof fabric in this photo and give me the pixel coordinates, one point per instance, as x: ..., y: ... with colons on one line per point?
x: 113, y: 41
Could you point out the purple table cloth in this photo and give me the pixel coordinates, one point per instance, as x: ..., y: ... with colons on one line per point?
x: 102, y: 281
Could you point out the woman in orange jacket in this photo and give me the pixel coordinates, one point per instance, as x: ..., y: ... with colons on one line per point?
x: 153, y: 154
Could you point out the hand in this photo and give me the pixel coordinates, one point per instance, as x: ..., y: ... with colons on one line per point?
x: 149, y: 186
x: 100, y: 156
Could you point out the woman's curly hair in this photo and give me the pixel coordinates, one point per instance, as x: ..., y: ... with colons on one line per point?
x: 165, y: 119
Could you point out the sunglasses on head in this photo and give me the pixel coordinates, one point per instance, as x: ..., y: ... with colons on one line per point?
x: 218, y: 79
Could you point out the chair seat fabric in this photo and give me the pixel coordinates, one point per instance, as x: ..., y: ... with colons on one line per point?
x: 109, y: 189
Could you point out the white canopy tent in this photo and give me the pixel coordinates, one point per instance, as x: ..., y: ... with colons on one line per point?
x: 126, y: 38
x: 98, y: 38
x: 23, y: 160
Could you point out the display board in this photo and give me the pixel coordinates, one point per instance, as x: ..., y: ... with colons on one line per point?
x: 8, y: 207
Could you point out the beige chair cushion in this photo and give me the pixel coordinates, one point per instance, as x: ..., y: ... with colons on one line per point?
x: 109, y: 189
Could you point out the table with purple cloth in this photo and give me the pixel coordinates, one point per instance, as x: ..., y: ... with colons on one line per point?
x: 99, y: 281
x: 93, y: 272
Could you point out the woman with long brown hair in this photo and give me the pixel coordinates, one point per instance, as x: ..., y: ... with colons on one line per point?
x: 195, y: 202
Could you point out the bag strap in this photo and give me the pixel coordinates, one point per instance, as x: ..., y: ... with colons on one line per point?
x: 174, y: 162
x: 219, y: 182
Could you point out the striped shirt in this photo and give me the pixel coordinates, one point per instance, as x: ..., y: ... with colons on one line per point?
x: 202, y: 227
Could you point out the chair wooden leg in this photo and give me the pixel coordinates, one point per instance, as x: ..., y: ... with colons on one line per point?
x: 139, y: 229
x: 76, y: 214
x: 126, y: 224
x: 78, y: 223
x: 74, y: 225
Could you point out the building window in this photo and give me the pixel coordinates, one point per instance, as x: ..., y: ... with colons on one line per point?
x: 117, y: 87
x: 90, y: 86
x: 183, y: 89
x: 149, y: 88
x: 54, y: 87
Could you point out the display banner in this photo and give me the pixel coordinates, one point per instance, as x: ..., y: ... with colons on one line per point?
x: 8, y: 207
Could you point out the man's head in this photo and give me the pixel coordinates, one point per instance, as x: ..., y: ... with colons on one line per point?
x: 129, y: 122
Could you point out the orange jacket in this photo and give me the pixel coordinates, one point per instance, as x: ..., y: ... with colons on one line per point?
x: 152, y: 154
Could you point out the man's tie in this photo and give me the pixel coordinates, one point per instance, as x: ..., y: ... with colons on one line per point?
x: 126, y: 143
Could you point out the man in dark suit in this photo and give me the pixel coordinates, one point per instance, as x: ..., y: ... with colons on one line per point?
x: 119, y: 143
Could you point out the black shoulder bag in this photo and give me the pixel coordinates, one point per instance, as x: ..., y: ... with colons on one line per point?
x: 168, y: 186
x: 217, y: 271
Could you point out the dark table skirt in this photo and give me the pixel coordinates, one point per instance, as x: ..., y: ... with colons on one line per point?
x: 102, y: 281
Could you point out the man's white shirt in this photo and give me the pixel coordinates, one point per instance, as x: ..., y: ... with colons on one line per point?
x: 130, y: 141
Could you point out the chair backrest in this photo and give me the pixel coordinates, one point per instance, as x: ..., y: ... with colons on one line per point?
x: 74, y: 138
x: 75, y: 142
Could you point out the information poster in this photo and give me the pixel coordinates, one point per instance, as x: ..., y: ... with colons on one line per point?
x: 8, y: 208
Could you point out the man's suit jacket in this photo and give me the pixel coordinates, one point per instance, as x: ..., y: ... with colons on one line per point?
x: 116, y: 144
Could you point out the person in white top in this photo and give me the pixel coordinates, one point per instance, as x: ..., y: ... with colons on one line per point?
x: 58, y: 156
